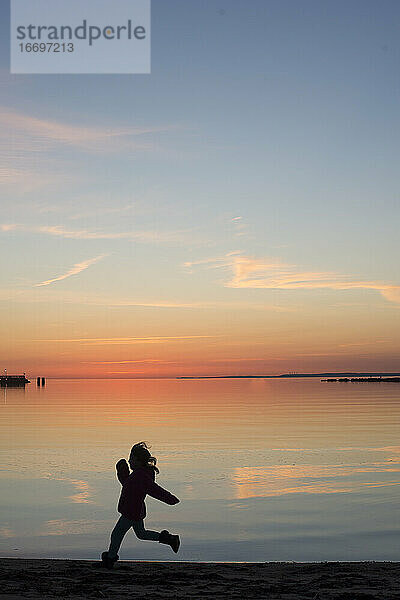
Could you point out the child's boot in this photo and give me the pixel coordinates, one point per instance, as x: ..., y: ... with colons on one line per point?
x: 172, y: 540
x: 108, y: 562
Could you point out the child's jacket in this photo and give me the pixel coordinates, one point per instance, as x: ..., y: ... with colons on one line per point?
x: 135, y: 486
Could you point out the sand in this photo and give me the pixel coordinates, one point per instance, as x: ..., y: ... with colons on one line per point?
x: 81, y: 579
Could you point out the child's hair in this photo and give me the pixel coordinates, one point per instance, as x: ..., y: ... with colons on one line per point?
x: 140, y: 450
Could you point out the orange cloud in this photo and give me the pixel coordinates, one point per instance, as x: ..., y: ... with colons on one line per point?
x: 84, y: 234
x: 391, y: 293
x: 249, y: 272
x: 31, y: 133
x: 77, y: 268
x: 24, y: 179
x: 213, y: 263
x: 129, y: 340
x: 124, y: 362
x: 92, y: 299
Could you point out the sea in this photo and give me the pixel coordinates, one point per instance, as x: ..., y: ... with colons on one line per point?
x: 265, y: 469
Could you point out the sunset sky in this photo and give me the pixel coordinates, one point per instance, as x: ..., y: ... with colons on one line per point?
x: 234, y: 212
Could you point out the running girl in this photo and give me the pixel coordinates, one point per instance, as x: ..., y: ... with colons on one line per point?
x: 131, y: 504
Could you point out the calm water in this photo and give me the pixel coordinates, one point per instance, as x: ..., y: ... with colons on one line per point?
x: 266, y: 470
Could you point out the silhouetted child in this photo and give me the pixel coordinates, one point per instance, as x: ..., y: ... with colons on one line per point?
x: 131, y: 504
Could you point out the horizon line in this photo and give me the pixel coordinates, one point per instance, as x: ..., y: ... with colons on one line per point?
x: 180, y: 377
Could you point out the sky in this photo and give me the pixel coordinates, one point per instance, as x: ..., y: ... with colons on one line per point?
x: 234, y: 212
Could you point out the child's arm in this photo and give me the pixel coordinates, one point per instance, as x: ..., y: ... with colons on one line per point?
x: 122, y: 470
x: 156, y: 491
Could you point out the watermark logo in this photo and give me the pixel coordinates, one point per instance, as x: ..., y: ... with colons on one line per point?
x: 80, y: 36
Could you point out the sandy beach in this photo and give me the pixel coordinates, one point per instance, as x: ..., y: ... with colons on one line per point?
x: 80, y: 579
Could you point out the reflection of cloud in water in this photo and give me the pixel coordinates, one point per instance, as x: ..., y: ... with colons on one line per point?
x: 189, y: 491
x: 83, y: 495
x: 279, y: 480
x: 383, y: 484
x: 237, y: 506
x: 75, y: 527
x: 6, y: 532
x: 82, y: 487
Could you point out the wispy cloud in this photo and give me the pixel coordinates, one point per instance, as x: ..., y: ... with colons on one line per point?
x: 170, y: 362
x: 45, y: 294
x: 366, y: 343
x: 213, y: 263
x: 35, y: 134
x: 240, y: 227
x: 85, y: 234
x: 8, y: 227
x: 130, y: 340
x: 391, y: 293
x: 271, y: 273
x: 34, y: 152
x: 84, y: 206
x: 238, y: 360
x: 77, y: 268
x: 319, y: 354
x: 103, y: 211
x: 26, y: 178
x: 202, y: 305
x: 130, y: 362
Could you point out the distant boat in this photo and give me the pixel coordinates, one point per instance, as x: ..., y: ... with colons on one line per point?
x: 13, y: 380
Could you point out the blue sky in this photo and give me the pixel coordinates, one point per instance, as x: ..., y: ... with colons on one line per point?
x: 266, y: 131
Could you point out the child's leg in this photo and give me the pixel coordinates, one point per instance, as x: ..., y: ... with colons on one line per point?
x: 117, y: 535
x: 144, y: 534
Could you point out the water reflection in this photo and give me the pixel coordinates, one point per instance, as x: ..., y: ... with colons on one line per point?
x: 84, y: 491
x: 251, y: 461
x: 61, y: 527
x: 253, y: 482
x: 11, y: 393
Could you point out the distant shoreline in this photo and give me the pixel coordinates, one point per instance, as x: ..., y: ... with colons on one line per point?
x: 187, y: 377
x: 292, y: 375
